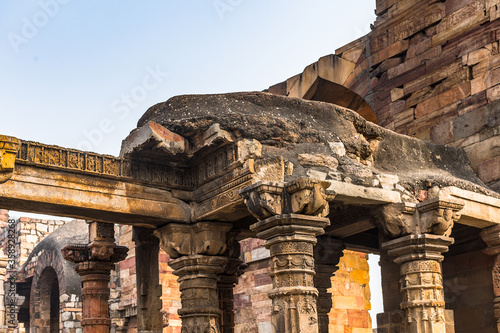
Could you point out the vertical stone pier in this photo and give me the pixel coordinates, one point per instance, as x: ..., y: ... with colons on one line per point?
x: 290, y: 216
x: 94, y: 262
x: 198, y: 254
x: 491, y: 236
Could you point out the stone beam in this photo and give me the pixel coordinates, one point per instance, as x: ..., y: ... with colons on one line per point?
x: 61, y: 192
x: 480, y: 211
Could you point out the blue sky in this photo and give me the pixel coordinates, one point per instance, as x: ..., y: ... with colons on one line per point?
x: 69, y: 65
x: 80, y: 74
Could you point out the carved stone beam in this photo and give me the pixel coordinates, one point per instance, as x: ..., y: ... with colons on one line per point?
x: 327, y: 254
x: 149, y: 290
x: 8, y: 151
x: 94, y: 263
x: 419, y: 257
x: 198, y: 257
x: 290, y: 232
x: 491, y: 236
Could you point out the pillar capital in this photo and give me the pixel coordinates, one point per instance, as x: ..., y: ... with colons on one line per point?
x: 434, y: 216
x: 198, y: 255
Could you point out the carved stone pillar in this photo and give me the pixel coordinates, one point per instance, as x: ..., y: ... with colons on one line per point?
x: 149, y: 291
x: 422, y: 232
x: 227, y: 280
x: 197, y: 253
x: 290, y: 217
x: 491, y: 236
x: 94, y: 262
x: 327, y: 254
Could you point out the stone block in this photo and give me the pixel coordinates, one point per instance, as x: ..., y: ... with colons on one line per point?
x: 489, y: 170
x: 482, y: 151
x: 433, y: 104
x: 442, y: 133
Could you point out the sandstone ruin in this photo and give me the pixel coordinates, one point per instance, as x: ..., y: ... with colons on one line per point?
x: 303, y: 167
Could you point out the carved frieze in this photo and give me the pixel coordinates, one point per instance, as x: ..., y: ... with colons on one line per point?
x: 8, y: 150
x: 54, y: 157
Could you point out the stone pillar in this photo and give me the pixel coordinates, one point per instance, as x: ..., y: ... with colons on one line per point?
x: 149, y: 291
x: 4, y: 261
x: 327, y: 254
x: 491, y: 236
x: 227, y: 280
x: 197, y: 253
x: 94, y: 262
x: 421, y: 235
x: 290, y: 217
x: 419, y: 257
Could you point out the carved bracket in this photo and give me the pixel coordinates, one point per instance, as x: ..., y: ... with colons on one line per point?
x: 305, y: 196
x: 435, y: 216
x: 203, y: 238
x: 8, y: 151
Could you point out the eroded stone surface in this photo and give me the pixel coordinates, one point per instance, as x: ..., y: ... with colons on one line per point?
x: 302, y: 133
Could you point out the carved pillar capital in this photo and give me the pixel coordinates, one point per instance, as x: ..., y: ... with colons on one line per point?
x: 419, y: 257
x: 291, y: 216
x: 8, y: 151
x: 435, y: 216
x: 198, y: 252
x: 491, y: 236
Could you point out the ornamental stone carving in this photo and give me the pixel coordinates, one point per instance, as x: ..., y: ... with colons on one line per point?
x: 198, y: 252
x: 421, y: 280
x: 8, y: 150
x: 290, y: 232
x: 435, y: 216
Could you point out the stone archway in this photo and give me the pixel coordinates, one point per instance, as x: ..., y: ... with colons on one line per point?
x: 47, y: 307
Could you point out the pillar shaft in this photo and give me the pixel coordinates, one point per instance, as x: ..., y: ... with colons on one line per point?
x: 94, y: 262
x: 421, y: 284
x: 327, y: 254
x: 149, y: 291
x: 198, y: 257
x: 491, y: 236
x: 290, y: 217
x: 290, y: 239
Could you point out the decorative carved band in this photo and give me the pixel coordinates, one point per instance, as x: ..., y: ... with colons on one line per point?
x: 54, y: 157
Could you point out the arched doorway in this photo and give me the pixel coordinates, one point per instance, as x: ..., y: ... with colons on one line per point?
x: 47, y: 292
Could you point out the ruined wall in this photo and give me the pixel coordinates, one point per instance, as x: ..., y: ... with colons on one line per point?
x: 429, y: 69
x: 434, y: 71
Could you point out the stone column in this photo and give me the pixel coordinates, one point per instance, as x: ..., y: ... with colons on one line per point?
x: 227, y: 280
x: 327, y: 254
x: 421, y: 236
x: 198, y: 257
x: 149, y: 291
x: 290, y: 217
x: 419, y: 257
x: 491, y: 236
x: 94, y: 262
